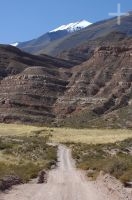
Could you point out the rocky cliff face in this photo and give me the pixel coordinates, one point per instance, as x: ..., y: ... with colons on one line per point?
x: 96, y: 92
x: 99, y: 86
x: 28, y: 91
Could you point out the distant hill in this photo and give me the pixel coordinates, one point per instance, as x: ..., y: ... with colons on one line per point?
x: 55, y: 43
x: 29, y: 85
x: 42, y: 42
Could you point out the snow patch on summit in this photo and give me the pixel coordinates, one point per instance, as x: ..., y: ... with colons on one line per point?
x: 72, y: 27
x: 14, y: 44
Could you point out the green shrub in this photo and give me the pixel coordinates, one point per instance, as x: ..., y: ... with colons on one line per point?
x: 101, y: 158
x: 26, y: 156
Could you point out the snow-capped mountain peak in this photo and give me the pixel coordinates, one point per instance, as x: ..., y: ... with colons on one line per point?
x: 72, y: 27
x: 14, y: 44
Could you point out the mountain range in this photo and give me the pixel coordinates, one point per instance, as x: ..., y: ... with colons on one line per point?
x: 46, y: 39
x: 85, y: 80
x: 54, y: 43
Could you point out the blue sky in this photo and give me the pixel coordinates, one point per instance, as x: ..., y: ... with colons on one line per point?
x: 22, y: 20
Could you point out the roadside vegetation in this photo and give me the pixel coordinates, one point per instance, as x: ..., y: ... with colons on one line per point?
x: 25, y: 156
x: 24, y: 150
x: 112, y: 158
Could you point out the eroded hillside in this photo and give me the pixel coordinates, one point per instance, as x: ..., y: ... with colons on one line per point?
x: 46, y: 90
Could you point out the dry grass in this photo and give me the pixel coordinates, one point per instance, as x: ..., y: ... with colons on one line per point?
x: 64, y: 135
x: 23, y: 152
x: 88, y: 136
x: 25, y: 156
x: 112, y: 158
x: 16, y: 129
x: 34, y: 154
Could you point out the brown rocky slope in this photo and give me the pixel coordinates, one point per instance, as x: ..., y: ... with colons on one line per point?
x: 45, y: 90
x: 30, y: 85
x: 100, y: 90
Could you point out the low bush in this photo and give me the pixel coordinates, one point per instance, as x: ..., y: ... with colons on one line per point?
x: 114, y: 158
x: 25, y: 157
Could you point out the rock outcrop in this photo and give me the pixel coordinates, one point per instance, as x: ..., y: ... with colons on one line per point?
x: 9, y: 181
x: 46, y: 90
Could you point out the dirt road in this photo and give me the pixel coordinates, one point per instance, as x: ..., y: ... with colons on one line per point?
x: 64, y: 183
